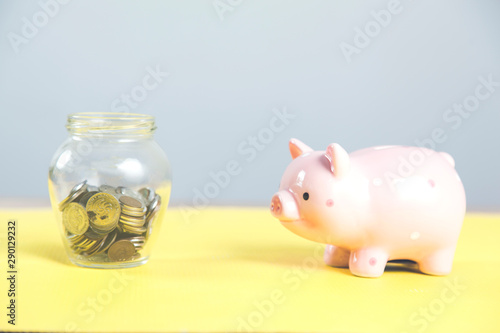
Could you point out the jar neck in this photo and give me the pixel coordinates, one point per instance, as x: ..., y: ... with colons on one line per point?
x: 113, y: 125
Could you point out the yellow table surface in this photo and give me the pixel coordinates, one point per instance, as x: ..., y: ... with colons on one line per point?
x: 230, y: 269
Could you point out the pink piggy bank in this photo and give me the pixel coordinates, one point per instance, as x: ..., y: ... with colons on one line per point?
x: 374, y: 205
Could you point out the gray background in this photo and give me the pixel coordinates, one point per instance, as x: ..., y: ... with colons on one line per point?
x: 227, y: 72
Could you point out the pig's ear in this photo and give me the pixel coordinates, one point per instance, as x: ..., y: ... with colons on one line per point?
x: 298, y: 148
x: 339, y: 160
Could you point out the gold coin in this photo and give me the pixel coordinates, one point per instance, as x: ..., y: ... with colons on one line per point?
x: 75, y: 219
x: 104, y: 211
x: 129, y: 225
x: 131, y: 220
x: 133, y: 227
x: 134, y: 213
x: 121, y: 250
x: 133, y: 230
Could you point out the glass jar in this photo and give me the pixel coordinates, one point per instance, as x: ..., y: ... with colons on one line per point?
x: 109, y: 185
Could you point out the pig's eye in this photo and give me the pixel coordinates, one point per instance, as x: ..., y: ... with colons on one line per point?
x: 305, y: 196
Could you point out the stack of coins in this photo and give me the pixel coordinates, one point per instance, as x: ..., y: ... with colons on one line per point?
x: 108, y: 221
x: 133, y: 215
x: 81, y: 243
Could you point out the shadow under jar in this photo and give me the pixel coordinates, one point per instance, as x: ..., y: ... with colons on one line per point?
x: 109, y: 185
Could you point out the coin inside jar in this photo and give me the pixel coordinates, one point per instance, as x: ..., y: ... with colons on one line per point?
x: 132, y: 230
x: 137, y: 221
x: 75, y: 219
x: 121, y: 250
x: 104, y: 211
x: 110, y: 238
x: 82, y: 244
x: 91, y: 234
x: 131, y: 202
x: 85, y: 197
x: 119, y: 221
x: 76, y: 192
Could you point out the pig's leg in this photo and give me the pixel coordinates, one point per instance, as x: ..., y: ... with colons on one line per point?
x: 336, y: 256
x: 368, y: 262
x: 438, y: 263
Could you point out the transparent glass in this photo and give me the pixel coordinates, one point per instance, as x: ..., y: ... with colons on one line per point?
x: 109, y: 185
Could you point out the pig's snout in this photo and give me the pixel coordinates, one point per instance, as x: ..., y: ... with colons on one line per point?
x: 284, y: 207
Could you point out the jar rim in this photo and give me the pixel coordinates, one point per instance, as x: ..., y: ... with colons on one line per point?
x: 110, y: 116
x: 110, y: 123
